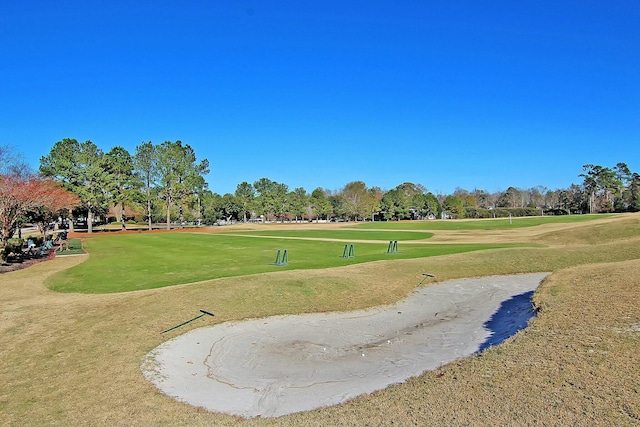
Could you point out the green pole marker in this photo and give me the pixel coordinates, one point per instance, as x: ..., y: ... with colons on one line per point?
x: 282, y: 258
x: 349, y: 252
x: 204, y: 313
x: 393, y: 247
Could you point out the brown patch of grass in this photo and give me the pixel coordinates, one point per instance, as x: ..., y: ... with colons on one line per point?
x: 75, y: 359
x: 575, y: 365
x: 615, y: 229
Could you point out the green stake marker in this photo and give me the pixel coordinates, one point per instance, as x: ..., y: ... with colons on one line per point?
x: 204, y: 313
x: 282, y: 260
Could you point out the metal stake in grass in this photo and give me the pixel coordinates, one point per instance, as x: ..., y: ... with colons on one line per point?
x: 393, y: 247
x: 190, y: 320
x: 282, y: 260
x: 425, y: 277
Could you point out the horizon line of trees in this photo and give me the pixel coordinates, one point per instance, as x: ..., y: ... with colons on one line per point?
x: 78, y: 182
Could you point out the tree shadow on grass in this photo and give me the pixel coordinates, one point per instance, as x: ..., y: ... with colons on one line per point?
x: 513, y: 315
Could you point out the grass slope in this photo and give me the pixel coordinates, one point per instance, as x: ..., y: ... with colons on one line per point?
x: 120, y: 263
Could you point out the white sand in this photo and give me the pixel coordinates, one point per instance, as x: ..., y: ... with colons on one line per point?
x: 284, y: 364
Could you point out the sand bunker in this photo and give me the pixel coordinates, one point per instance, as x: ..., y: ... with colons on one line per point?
x: 285, y: 364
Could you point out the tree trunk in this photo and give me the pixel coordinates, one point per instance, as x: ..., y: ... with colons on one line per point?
x: 89, y: 221
x: 149, y: 213
x: 42, y: 228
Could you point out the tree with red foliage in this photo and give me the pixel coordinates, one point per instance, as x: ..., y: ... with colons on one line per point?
x: 23, y: 192
x: 15, y: 198
x: 55, y: 201
x: 19, y: 194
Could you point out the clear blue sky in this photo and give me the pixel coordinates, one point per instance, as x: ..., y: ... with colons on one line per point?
x: 447, y: 94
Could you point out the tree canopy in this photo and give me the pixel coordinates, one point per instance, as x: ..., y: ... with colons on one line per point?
x: 25, y: 195
x: 167, y: 182
x: 179, y: 174
x: 81, y: 169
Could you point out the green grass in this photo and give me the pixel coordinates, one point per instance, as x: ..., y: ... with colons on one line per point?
x: 75, y: 248
x: 474, y: 224
x: 343, y: 234
x: 121, y: 263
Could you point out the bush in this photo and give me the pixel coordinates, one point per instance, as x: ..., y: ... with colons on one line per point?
x: 13, y: 246
x: 557, y: 211
x: 140, y: 218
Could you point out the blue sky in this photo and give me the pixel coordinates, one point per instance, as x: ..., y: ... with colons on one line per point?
x: 447, y: 94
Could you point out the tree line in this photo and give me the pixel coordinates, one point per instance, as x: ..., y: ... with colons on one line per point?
x: 165, y: 183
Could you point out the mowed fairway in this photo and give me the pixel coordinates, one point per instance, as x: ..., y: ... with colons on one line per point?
x: 120, y: 263
x: 73, y: 358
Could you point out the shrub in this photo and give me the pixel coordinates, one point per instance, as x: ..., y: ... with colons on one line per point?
x: 12, y: 246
